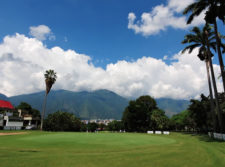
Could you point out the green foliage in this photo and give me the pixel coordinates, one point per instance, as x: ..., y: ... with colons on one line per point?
x: 92, y: 126
x: 198, y: 117
x: 213, y: 8
x: 198, y: 38
x: 199, y: 111
x: 101, y: 126
x: 179, y: 121
x: 159, y: 121
x: 62, y: 121
x: 115, y: 126
x: 101, y: 104
x: 28, y: 110
x: 137, y: 116
x: 24, y: 106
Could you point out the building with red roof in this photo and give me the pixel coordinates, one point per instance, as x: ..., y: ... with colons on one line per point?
x: 5, y: 105
x: 11, y: 120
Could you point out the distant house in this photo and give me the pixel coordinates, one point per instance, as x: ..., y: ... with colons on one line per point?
x: 5, y: 106
x: 7, y: 120
x: 12, y: 119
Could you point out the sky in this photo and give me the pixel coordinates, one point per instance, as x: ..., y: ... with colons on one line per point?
x: 131, y: 47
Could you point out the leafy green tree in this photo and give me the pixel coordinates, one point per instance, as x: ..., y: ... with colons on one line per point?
x: 115, y: 126
x: 24, y: 106
x: 136, y: 116
x: 102, y: 126
x: 196, y: 118
x: 92, y: 126
x: 159, y: 121
x: 35, y: 113
x: 199, y: 112
x: 27, y: 109
x: 50, y: 79
x: 181, y: 121
x: 62, y: 121
x: 83, y: 127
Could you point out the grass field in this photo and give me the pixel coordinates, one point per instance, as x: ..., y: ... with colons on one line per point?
x: 48, y: 149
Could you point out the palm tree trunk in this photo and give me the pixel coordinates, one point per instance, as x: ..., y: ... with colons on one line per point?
x: 212, y: 106
x: 43, y: 111
x: 219, y: 112
x: 218, y: 109
x: 218, y: 41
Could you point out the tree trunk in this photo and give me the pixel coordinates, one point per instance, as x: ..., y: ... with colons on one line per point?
x: 218, y: 44
x: 218, y: 109
x: 43, y: 111
x: 219, y: 112
x: 212, y: 106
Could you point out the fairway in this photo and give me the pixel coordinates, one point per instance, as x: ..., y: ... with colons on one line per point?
x: 51, y: 149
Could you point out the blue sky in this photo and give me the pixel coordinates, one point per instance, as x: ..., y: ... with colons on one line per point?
x: 96, y: 28
x: 102, y: 33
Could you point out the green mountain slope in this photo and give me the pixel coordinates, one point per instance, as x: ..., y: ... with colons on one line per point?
x: 171, y: 106
x: 102, y: 104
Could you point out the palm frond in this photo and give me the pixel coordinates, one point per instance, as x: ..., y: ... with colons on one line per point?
x: 195, y: 9
x: 190, y: 48
x: 189, y: 8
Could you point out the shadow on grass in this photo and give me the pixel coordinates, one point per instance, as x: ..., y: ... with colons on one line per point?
x: 203, y: 137
x: 29, y: 151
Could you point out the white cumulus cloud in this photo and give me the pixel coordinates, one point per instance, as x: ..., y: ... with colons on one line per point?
x: 161, y: 17
x: 41, y: 32
x: 23, y: 61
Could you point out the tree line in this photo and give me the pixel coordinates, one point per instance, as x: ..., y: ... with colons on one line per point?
x: 142, y: 115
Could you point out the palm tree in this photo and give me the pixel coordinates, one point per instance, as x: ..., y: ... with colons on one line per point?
x: 50, y: 78
x: 219, y: 111
x: 198, y: 39
x: 214, y: 9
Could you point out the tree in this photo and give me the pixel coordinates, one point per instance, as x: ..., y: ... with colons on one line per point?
x: 214, y: 9
x: 159, y: 121
x: 137, y: 114
x: 27, y: 109
x: 204, y: 39
x: 181, y: 121
x: 115, y: 126
x: 62, y: 121
x: 50, y: 78
x: 199, y: 112
x: 92, y: 126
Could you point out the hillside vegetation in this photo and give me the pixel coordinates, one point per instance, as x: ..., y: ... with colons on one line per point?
x: 101, y: 104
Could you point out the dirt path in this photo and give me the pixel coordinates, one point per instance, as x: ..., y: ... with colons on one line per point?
x: 13, y: 133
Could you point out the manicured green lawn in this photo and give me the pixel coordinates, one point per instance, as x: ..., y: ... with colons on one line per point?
x: 48, y: 149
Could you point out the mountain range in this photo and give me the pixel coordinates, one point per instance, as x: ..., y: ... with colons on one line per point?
x: 100, y: 104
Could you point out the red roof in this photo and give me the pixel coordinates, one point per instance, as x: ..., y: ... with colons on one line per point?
x: 6, y: 104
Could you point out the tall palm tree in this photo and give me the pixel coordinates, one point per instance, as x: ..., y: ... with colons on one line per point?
x: 199, y: 39
x: 214, y: 9
x: 50, y: 79
x: 219, y: 111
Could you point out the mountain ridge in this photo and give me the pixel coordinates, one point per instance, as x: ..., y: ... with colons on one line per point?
x: 98, y: 104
